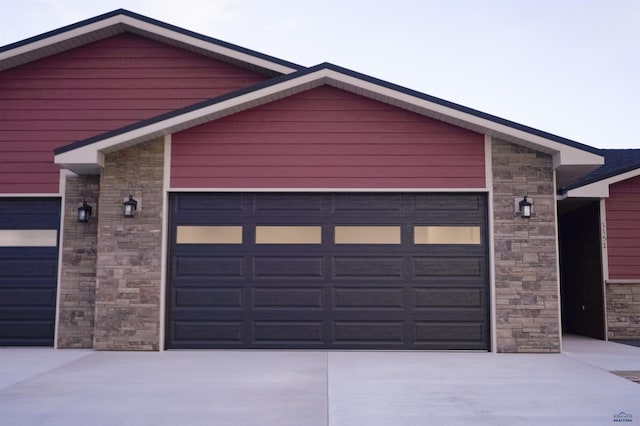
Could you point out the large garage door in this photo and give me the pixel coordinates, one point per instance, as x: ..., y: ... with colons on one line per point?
x: 28, y: 270
x: 365, y: 271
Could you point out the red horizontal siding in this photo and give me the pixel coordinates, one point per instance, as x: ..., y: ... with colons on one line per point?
x: 94, y: 89
x: 327, y: 138
x: 623, y: 229
x: 318, y: 171
x: 438, y: 141
x: 285, y: 160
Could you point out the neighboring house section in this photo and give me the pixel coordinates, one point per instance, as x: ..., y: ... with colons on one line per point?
x: 623, y: 229
x: 279, y: 206
x: 610, y: 196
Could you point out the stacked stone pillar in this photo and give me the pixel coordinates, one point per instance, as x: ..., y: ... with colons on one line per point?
x: 129, y: 252
x: 76, y: 302
x: 526, y: 262
x: 111, y: 266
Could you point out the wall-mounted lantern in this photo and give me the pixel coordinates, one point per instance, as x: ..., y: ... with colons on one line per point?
x: 525, y: 208
x: 84, y: 212
x: 130, y: 207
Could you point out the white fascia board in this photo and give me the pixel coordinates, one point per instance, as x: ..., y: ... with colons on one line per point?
x: 119, y: 23
x: 83, y: 158
x: 205, y: 45
x: 62, y: 37
x: 94, y: 153
x: 600, y: 189
x: 570, y: 156
x: 563, y: 154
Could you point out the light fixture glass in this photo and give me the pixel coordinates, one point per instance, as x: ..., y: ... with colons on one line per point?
x: 525, y: 208
x: 130, y: 207
x: 84, y: 211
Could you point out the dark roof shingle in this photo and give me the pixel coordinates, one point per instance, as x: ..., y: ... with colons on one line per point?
x: 616, y: 161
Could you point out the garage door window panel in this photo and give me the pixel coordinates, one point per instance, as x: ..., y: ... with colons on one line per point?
x: 209, y: 235
x: 288, y: 235
x: 446, y: 235
x: 367, y: 234
x: 28, y: 237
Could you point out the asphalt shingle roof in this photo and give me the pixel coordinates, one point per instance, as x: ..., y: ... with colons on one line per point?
x: 616, y: 161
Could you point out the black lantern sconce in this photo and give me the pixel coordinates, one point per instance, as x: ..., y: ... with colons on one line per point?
x: 130, y: 207
x: 84, y: 212
x: 525, y: 208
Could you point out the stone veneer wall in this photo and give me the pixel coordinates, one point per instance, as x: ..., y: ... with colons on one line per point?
x: 623, y: 311
x: 78, y: 268
x: 526, y: 278
x: 129, y: 255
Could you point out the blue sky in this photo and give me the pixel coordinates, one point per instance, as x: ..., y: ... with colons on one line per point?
x: 568, y: 67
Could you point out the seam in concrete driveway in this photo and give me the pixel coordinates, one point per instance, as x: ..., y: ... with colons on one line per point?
x: 633, y: 376
x: 328, y: 411
x: 314, y: 388
x: 380, y: 389
x: 18, y: 364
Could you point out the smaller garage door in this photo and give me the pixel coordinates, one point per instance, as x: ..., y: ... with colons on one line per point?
x: 28, y: 270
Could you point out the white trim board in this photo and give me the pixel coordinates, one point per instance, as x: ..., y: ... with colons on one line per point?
x: 493, y: 324
x: 164, y: 250
x: 122, y: 22
x: 600, y: 189
x: 413, y: 190
x: 89, y: 158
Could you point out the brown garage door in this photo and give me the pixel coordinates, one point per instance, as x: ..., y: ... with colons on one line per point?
x: 338, y: 271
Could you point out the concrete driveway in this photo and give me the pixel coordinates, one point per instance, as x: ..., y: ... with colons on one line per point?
x: 81, y: 387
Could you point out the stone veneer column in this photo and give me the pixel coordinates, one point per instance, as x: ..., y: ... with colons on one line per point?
x: 526, y: 280
x: 623, y: 310
x: 78, y: 269
x: 129, y: 250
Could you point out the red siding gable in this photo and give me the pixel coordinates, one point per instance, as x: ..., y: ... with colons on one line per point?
x: 623, y: 229
x: 93, y: 89
x: 327, y: 138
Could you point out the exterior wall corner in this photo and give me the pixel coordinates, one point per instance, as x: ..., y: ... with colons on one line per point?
x: 526, y: 275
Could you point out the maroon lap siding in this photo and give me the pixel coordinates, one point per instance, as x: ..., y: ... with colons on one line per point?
x: 93, y: 89
x: 623, y: 229
x: 327, y: 138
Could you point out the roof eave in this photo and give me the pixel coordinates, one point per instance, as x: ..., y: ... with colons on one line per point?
x: 121, y: 21
x: 600, y: 188
x: 568, y: 160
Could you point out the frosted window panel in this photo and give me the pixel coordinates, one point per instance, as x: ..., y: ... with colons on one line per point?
x: 209, y: 235
x: 28, y: 237
x: 367, y: 235
x: 446, y: 234
x: 288, y: 235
